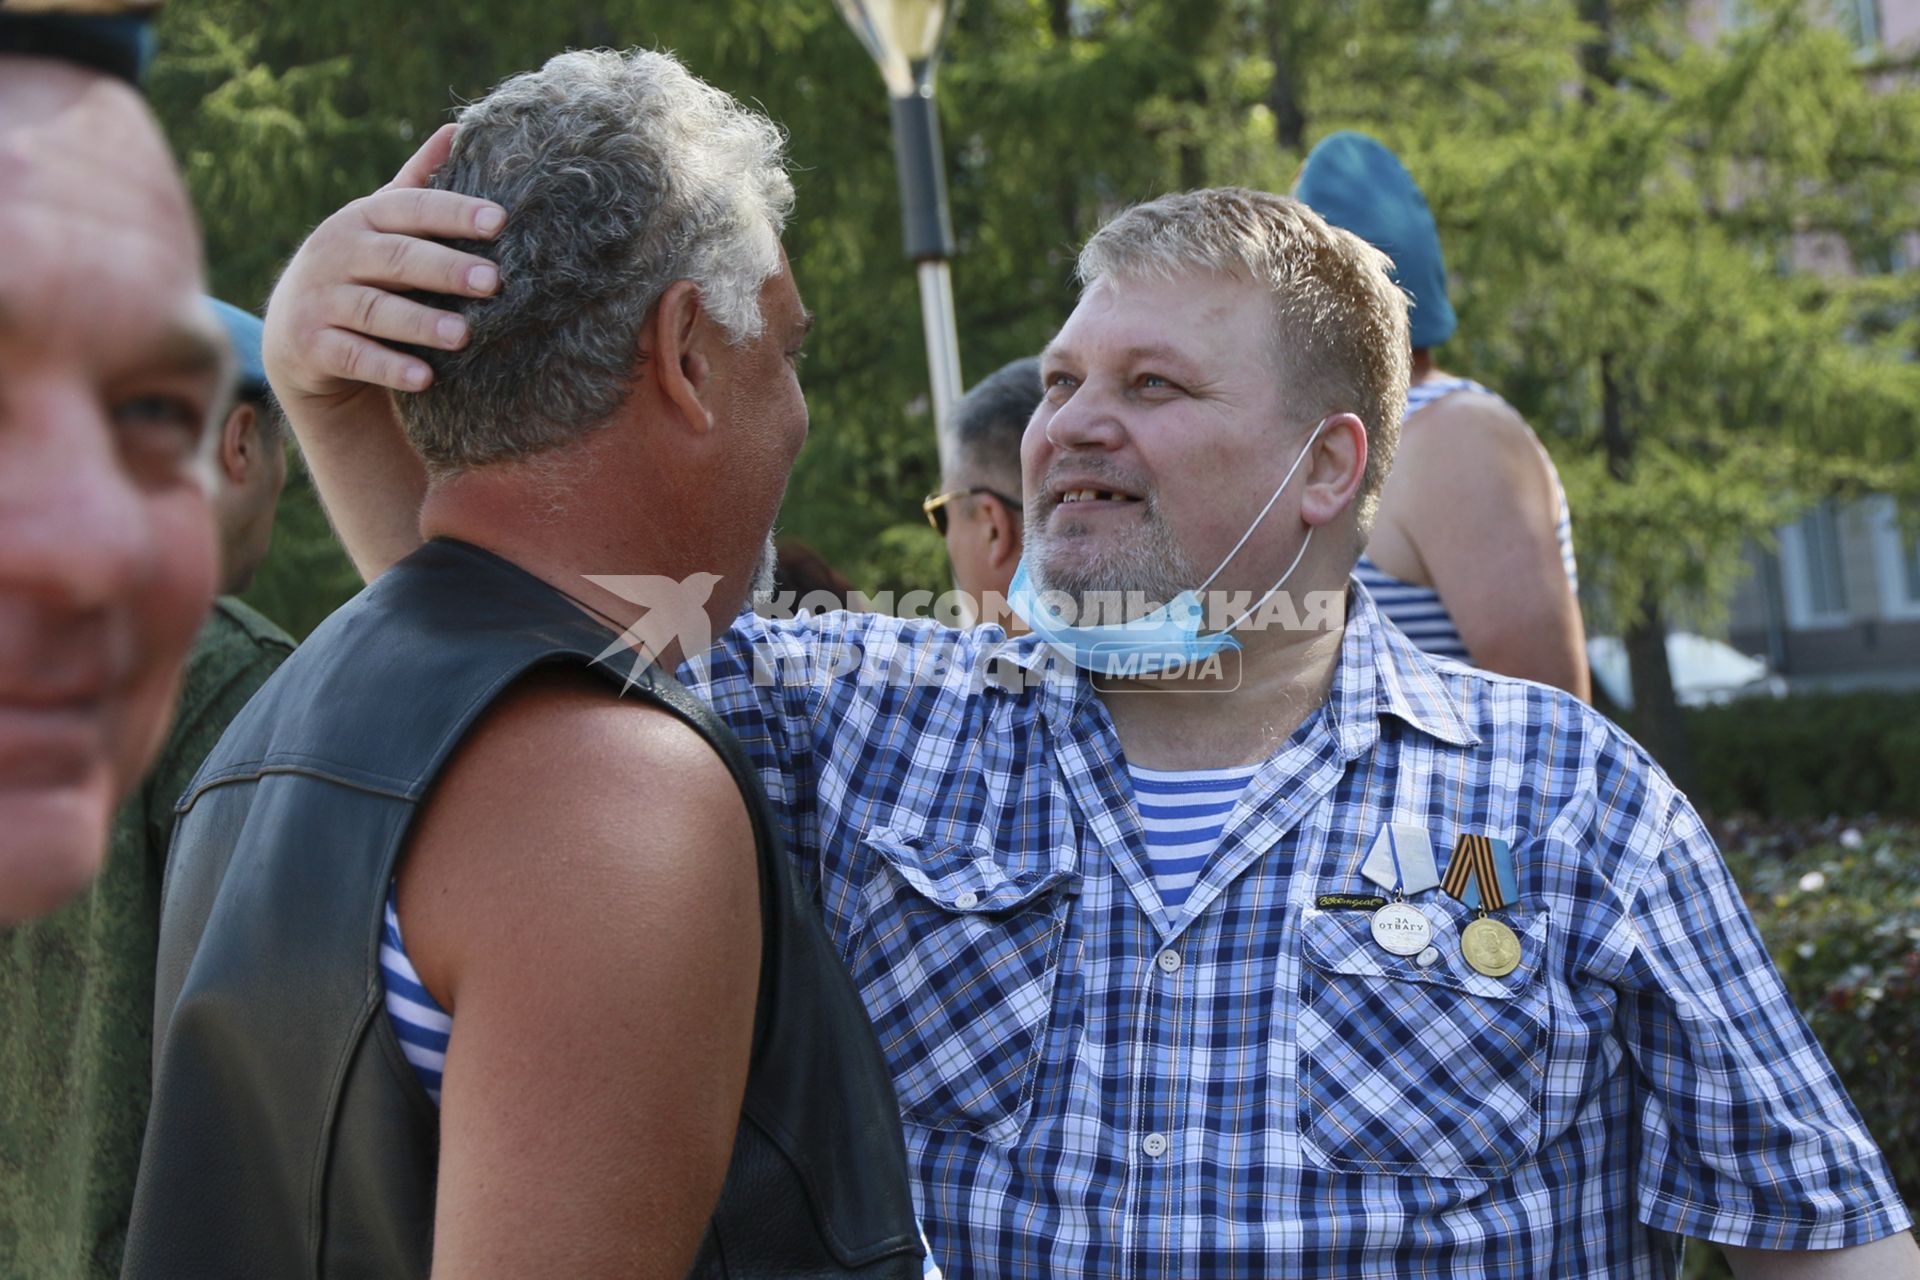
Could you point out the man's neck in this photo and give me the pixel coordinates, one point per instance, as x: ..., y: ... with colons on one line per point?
x: 542, y: 525
x: 237, y: 568
x: 1423, y: 369
x: 1268, y: 689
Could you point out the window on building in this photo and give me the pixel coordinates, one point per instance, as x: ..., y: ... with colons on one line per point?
x: 1896, y: 552
x: 1813, y: 569
x: 1860, y: 19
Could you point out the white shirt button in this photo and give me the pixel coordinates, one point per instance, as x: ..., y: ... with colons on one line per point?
x: 1154, y: 1144
x: 1428, y: 958
x: 1169, y: 961
x: 967, y: 901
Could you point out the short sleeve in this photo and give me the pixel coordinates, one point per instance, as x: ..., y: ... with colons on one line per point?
x: 1747, y: 1136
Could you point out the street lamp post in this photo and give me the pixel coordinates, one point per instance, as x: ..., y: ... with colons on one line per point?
x: 904, y: 38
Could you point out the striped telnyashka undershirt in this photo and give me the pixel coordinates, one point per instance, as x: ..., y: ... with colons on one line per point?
x: 1182, y: 814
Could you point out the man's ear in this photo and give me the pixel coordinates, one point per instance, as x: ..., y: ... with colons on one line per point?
x: 1335, y: 468
x: 240, y: 443
x: 673, y: 349
x: 1003, y: 531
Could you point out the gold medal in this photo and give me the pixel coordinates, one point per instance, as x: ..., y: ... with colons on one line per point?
x: 1490, y: 947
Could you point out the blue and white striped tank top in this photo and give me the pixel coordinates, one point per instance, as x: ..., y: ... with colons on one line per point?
x: 423, y: 1027
x: 1182, y: 814
x: 418, y: 1020
x: 1417, y: 610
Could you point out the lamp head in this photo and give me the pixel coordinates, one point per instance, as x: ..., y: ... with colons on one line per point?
x: 904, y: 38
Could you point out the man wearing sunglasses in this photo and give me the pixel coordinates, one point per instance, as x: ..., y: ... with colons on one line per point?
x: 978, y: 511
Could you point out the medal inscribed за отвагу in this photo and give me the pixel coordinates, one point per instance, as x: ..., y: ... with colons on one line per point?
x: 1401, y: 862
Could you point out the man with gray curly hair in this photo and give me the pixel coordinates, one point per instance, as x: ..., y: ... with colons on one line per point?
x: 478, y: 952
x: 1236, y: 937
x: 592, y: 147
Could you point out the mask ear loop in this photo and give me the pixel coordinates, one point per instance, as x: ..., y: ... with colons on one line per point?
x: 1277, y: 491
x: 1298, y: 556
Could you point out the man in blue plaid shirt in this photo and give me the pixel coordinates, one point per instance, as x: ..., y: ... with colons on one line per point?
x: 1099, y: 1082
x: 1117, y: 1059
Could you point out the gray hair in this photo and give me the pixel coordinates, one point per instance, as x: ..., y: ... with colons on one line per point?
x: 1340, y: 323
x: 621, y: 173
x: 991, y: 418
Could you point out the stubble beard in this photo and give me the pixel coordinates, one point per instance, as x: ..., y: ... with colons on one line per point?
x: 1146, y: 563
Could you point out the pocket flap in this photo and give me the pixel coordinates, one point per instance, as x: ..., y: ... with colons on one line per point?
x: 968, y: 878
x: 1342, y: 942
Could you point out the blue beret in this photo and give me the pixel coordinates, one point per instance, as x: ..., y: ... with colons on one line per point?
x: 243, y: 330
x: 1353, y: 182
x: 119, y: 44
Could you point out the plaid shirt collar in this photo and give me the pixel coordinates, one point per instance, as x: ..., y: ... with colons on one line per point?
x: 1381, y: 673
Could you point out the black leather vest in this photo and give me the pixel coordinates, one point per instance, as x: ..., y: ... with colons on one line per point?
x: 289, y: 1137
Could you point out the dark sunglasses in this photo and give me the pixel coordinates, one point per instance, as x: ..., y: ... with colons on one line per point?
x: 936, y: 504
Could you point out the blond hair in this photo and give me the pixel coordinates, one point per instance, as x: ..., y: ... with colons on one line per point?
x: 1340, y: 322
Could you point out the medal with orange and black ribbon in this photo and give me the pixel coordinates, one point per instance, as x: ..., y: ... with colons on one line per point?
x: 1480, y: 874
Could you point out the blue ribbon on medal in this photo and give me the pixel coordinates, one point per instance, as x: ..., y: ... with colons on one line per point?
x: 1401, y: 862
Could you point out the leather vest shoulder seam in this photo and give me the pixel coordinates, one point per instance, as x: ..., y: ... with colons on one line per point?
x: 306, y: 767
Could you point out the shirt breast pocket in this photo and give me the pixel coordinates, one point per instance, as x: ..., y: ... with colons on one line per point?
x: 957, y: 963
x: 1436, y: 1071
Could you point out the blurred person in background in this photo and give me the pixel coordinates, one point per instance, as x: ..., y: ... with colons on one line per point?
x: 816, y: 586
x: 80, y: 1065
x: 979, y: 509
x: 112, y: 374
x: 249, y: 462
x: 1472, y: 553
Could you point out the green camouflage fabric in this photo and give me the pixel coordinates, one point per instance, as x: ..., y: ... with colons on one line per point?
x: 76, y: 996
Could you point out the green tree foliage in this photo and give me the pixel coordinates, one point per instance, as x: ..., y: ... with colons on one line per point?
x: 1621, y: 204
x: 1629, y: 269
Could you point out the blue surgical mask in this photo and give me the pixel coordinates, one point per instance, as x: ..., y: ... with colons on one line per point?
x: 1164, y: 639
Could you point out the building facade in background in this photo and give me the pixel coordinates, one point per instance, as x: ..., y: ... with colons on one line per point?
x: 1837, y: 604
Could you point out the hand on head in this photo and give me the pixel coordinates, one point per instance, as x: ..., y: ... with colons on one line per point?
x: 338, y: 310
